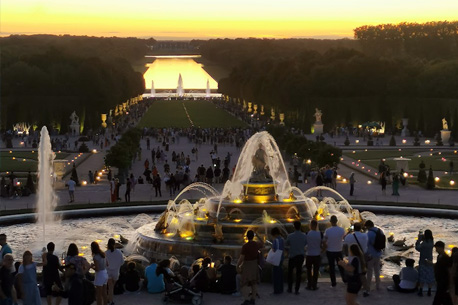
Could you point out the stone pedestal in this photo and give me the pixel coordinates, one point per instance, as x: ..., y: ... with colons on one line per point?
x: 318, y: 128
x: 402, y: 163
x: 445, y: 135
x: 75, y: 129
x: 59, y: 172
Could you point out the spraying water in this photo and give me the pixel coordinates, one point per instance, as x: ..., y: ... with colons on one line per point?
x: 180, y: 90
x: 47, y: 199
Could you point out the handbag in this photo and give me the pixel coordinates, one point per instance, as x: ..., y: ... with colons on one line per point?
x: 274, y: 257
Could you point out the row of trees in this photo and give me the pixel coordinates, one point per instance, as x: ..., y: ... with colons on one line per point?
x: 425, y: 40
x: 350, y: 86
x: 46, y: 78
x: 122, y: 154
x: 319, y: 153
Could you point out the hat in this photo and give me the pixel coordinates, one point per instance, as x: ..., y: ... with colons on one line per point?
x: 439, y: 244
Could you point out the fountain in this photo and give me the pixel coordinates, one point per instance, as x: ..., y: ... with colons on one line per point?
x: 207, y: 91
x: 47, y: 199
x: 180, y: 90
x: 258, y: 197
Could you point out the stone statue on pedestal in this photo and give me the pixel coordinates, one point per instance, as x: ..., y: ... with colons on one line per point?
x: 75, y: 124
x: 318, y: 125
x: 318, y: 115
x: 75, y: 119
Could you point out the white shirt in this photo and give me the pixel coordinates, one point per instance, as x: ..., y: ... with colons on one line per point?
x: 334, y: 238
x: 362, y: 238
x: 114, y: 259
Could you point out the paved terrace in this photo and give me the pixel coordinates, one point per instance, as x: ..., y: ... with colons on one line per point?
x: 100, y: 193
x: 324, y: 295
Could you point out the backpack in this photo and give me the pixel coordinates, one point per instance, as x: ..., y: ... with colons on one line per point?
x: 88, y: 292
x: 380, y: 240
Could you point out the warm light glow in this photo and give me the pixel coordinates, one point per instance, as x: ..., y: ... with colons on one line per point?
x: 165, y: 72
x: 98, y: 241
x: 117, y: 236
x: 344, y: 180
x: 369, y: 182
x: 309, y: 161
x: 356, y: 141
x: 169, y: 234
x: 98, y: 178
x: 405, y: 175
x: 437, y: 179
x: 452, y: 183
x: 84, y: 247
x: 14, y: 158
x: 339, y: 177
x: 84, y: 182
x: 192, y: 19
x: 404, y: 141
x: 80, y: 254
x: 237, y: 201
x: 427, y: 141
x: 94, y: 150
x: 391, y: 233
x: 11, y: 151
x: 451, y: 246
x: 272, y: 221
x: 23, y: 160
x: 237, y: 220
x: 354, y: 152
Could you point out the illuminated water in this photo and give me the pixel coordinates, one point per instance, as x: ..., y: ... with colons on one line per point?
x: 165, y: 70
x: 47, y: 199
x: 83, y: 231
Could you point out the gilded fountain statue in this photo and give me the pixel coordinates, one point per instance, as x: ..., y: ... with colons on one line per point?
x: 258, y: 197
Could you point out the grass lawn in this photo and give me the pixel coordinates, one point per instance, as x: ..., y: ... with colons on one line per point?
x: 202, y: 113
x: 7, y: 163
x: 434, y: 161
x: 165, y: 114
x: 380, y: 154
x: 205, y: 114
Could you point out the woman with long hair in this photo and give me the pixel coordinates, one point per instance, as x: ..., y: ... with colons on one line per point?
x: 425, y: 245
x: 354, y: 266
x: 27, y: 275
x: 81, y: 264
x: 115, y: 260
x: 101, y: 275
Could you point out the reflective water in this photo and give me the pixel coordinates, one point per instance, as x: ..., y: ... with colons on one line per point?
x: 165, y: 70
x: 83, y: 231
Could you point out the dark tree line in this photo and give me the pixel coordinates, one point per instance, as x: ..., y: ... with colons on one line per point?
x: 429, y: 40
x: 349, y: 85
x: 45, y: 78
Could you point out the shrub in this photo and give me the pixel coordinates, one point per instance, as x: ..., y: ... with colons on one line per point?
x: 392, y: 141
x: 83, y: 148
x: 430, y: 184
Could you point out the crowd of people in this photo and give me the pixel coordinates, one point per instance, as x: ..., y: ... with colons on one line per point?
x: 355, y: 253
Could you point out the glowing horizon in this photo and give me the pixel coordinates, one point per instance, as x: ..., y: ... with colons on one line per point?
x: 204, y: 19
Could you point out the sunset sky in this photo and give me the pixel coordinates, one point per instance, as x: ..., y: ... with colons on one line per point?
x: 181, y: 19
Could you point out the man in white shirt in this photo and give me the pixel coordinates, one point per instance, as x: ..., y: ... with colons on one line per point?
x: 355, y: 237
x: 333, y: 238
x: 313, y: 260
x: 71, y: 189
